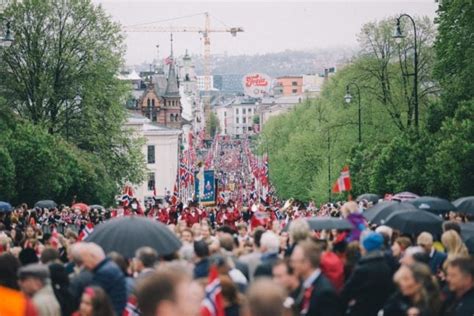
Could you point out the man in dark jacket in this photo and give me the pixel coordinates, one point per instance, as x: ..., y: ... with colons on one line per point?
x: 201, y: 268
x: 425, y: 240
x: 317, y: 297
x: 371, y: 282
x: 460, y: 278
x: 106, y: 274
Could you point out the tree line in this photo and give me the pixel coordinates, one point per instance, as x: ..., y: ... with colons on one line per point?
x: 309, y: 145
x: 61, y: 105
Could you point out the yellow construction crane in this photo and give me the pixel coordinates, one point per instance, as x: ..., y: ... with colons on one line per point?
x: 205, y: 31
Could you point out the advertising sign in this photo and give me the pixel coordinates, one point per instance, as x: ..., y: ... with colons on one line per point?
x: 256, y: 85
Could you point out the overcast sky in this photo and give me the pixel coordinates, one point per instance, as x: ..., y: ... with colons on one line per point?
x: 270, y: 26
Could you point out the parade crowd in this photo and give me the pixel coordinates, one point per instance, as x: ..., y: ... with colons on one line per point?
x: 265, y: 260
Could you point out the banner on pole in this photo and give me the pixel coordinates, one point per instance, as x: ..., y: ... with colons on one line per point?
x: 208, y: 196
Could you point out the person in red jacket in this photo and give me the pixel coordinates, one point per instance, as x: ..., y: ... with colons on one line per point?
x: 163, y: 216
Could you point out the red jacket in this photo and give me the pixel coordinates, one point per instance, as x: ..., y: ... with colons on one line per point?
x: 333, y: 268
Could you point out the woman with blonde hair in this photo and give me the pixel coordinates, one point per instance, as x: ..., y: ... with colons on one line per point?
x: 453, y: 244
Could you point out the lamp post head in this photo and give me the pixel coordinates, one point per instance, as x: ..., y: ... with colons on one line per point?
x: 7, y: 39
x: 348, y: 96
x: 397, y: 32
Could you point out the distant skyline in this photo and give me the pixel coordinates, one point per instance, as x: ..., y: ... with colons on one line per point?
x: 269, y: 26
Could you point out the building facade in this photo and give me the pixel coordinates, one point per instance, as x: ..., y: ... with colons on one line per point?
x: 288, y: 86
x: 163, y: 105
x: 161, y: 155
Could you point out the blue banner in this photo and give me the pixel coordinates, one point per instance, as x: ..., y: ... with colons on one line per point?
x: 208, y: 187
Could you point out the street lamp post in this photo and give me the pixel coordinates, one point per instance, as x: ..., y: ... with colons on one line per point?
x: 7, y: 38
x: 398, y: 36
x: 348, y: 99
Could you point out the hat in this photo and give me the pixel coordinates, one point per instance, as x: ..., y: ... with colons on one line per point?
x: 34, y: 270
x: 373, y: 241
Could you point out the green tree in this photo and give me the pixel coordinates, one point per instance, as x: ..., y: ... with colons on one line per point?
x: 7, y: 176
x: 61, y: 74
x: 454, y: 67
x: 213, y: 125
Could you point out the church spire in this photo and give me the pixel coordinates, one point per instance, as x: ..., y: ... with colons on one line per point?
x: 172, y: 89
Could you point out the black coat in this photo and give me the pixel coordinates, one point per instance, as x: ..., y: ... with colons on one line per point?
x: 111, y: 279
x: 398, y: 305
x: 459, y: 307
x: 324, y: 300
x: 369, y: 286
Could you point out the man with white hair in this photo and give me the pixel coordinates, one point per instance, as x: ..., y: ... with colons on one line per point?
x: 270, y: 246
x: 106, y: 274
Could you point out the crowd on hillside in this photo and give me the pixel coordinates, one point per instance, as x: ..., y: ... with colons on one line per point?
x: 265, y: 265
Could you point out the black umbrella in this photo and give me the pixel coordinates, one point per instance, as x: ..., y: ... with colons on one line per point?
x: 46, y: 204
x: 326, y: 222
x: 380, y: 212
x: 433, y: 204
x: 410, y: 222
x: 370, y: 197
x: 5, y: 207
x: 126, y: 234
x: 465, y: 204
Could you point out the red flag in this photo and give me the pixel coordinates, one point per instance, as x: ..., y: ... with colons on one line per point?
x: 343, y: 183
x: 131, y: 309
x: 86, y: 231
x: 212, y: 305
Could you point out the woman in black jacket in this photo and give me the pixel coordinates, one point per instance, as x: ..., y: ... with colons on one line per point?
x: 418, y: 293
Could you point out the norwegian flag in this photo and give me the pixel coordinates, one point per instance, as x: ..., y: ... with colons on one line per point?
x: 343, y: 183
x: 131, y: 309
x: 212, y: 304
x: 86, y: 231
x: 168, y: 60
x: 174, y: 197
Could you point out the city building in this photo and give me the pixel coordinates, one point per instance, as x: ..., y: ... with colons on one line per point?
x: 229, y: 83
x: 270, y: 107
x: 237, y: 116
x: 160, y: 151
x: 161, y: 100
x: 288, y: 86
x: 201, y: 82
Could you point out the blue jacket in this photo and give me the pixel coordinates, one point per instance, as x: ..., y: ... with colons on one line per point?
x: 436, y: 261
x: 111, y: 279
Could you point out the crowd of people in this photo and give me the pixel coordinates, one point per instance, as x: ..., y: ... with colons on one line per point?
x: 263, y: 267
x: 250, y: 255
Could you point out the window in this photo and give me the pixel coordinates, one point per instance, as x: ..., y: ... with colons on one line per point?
x: 294, y: 83
x: 237, y: 111
x: 148, y: 102
x: 294, y: 91
x: 225, y: 114
x: 250, y: 110
x: 151, y: 154
x: 151, y: 181
x: 244, y: 120
x: 237, y: 120
x: 243, y: 111
x: 250, y: 128
x: 153, y: 102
